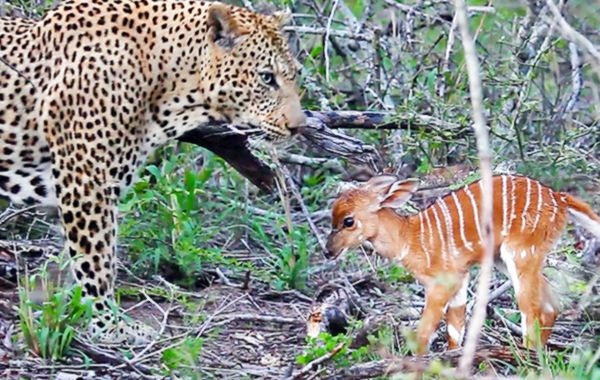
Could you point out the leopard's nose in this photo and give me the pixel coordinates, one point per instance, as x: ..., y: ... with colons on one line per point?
x: 295, y: 121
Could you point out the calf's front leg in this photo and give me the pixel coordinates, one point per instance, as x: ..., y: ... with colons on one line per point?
x: 436, y: 298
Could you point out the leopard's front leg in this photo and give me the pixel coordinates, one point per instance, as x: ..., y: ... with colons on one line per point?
x: 87, y: 201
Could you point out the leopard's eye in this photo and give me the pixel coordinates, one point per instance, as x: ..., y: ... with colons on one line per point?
x: 268, y: 79
x: 348, y: 222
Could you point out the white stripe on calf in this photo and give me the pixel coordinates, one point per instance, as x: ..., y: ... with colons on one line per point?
x: 527, y: 200
x: 554, y: 205
x: 513, y: 200
x: 475, y: 210
x: 440, y: 233
x: 422, y: 239
x: 461, y: 222
x: 539, y: 206
x: 449, y: 227
x: 504, y: 206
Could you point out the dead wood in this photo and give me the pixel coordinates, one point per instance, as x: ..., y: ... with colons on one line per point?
x: 233, y: 148
x: 320, y: 132
x: 107, y: 357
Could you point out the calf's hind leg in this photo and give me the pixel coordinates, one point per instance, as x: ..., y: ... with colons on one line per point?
x: 534, y: 296
x: 455, y: 316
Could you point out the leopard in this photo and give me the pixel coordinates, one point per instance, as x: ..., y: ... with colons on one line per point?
x: 90, y: 90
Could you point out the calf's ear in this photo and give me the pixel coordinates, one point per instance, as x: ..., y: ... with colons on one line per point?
x: 399, y: 193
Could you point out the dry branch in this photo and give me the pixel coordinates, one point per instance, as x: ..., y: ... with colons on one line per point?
x: 319, y: 132
x: 569, y: 33
x: 483, y: 150
x: 232, y: 145
x: 108, y: 357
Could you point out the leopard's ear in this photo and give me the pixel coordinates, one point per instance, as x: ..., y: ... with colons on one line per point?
x: 282, y: 18
x: 224, y: 30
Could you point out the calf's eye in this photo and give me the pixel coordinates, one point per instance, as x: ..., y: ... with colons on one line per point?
x: 348, y: 222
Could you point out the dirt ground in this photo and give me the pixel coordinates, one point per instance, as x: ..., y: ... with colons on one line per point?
x: 249, y: 330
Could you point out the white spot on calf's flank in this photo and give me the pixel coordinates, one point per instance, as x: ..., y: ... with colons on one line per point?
x: 508, y: 257
x: 548, y: 308
x: 455, y: 335
x: 402, y: 254
x: 460, y: 298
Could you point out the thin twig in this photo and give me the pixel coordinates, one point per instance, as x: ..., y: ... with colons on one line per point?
x: 326, y: 43
x: 576, y: 79
x: 298, y: 196
x: 481, y: 134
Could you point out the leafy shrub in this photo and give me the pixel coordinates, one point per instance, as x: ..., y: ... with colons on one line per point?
x: 49, y: 329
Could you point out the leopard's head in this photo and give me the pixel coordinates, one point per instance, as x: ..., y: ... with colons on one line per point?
x: 252, y: 72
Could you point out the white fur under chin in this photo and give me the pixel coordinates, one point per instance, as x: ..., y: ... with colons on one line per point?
x: 585, y: 222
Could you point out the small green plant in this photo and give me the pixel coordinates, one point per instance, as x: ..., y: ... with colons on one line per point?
x: 165, y: 220
x: 393, y: 273
x: 292, y: 263
x: 49, y: 329
x: 323, y: 345
x: 184, y: 358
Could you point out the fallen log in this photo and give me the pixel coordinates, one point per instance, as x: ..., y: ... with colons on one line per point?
x: 232, y: 145
x: 383, y: 121
x: 233, y: 148
x: 320, y: 133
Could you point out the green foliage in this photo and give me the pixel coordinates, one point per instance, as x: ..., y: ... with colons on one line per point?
x: 326, y: 343
x: 184, y: 358
x: 30, y: 8
x: 49, y: 329
x: 395, y: 274
x: 176, y: 219
x: 573, y: 363
x: 290, y: 253
x: 165, y: 219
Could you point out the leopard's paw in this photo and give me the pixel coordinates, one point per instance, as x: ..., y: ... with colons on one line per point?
x: 121, y: 332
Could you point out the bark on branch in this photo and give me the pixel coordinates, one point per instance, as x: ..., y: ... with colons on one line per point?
x: 321, y: 133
